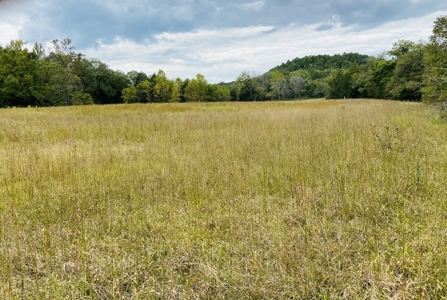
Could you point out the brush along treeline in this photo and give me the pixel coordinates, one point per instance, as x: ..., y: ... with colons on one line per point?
x: 271, y: 200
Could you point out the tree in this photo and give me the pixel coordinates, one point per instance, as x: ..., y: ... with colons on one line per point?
x: 401, y: 47
x: 435, y: 59
x: 197, y: 89
x: 64, y: 85
x: 136, y: 77
x: 19, y: 76
x: 297, y: 84
x: 379, y: 74
x: 162, y: 88
x: 339, y: 84
x: 102, y: 83
x: 145, y: 91
x: 222, y: 92
x: 79, y: 98
x: 130, y: 94
x: 176, y: 90
x: 64, y: 54
x: 183, y: 89
x: 249, y: 88
x: 279, y: 85
x: 406, y: 81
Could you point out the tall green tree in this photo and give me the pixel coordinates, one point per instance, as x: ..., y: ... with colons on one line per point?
x: 145, y: 91
x: 435, y: 59
x: 222, y: 92
x: 162, y: 88
x: 279, y: 85
x: 296, y: 85
x: 137, y: 77
x: 130, y: 94
x: 380, y: 71
x: 406, y: 81
x: 197, y: 89
x: 19, y: 72
x: 249, y: 88
x: 401, y: 47
x: 340, y: 84
x: 176, y: 90
x: 64, y: 85
x: 103, y: 84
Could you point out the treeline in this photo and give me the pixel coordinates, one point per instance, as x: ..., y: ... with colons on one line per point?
x: 59, y: 76
x: 396, y: 74
x: 62, y: 76
x: 409, y: 71
x: 158, y: 88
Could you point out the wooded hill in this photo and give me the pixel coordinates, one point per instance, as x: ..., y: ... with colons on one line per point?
x: 322, y: 62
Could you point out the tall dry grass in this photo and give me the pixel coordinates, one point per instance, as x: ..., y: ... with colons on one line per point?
x: 283, y: 200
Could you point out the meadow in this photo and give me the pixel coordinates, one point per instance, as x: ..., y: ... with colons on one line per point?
x: 274, y: 200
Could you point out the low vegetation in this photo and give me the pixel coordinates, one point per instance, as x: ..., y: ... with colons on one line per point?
x: 273, y: 200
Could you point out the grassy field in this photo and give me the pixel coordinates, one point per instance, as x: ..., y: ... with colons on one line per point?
x: 276, y: 200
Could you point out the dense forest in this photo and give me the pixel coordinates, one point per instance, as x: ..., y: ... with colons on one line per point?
x: 61, y: 76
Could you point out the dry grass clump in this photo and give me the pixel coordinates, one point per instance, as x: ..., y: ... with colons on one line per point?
x: 280, y: 200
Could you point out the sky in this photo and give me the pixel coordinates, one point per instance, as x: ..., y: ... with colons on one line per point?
x: 218, y: 39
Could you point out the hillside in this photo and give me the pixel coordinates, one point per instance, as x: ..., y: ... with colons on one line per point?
x: 322, y: 62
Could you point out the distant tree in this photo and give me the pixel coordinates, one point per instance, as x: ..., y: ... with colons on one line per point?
x: 279, y: 85
x: 222, y: 92
x: 296, y: 85
x: 176, y: 90
x: 339, y: 84
x: 103, y: 84
x: 19, y: 72
x: 183, y: 89
x: 435, y: 59
x: 197, y: 89
x: 162, y: 88
x: 145, y: 91
x: 406, y: 81
x: 64, y: 86
x: 401, y: 47
x: 379, y: 74
x: 130, y: 94
x: 79, y: 98
x: 64, y: 54
x: 249, y: 88
x: 39, y: 51
x: 238, y: 85
x: 136, y: 77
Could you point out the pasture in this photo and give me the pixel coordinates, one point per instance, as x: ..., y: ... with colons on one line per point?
x: 274, y: 200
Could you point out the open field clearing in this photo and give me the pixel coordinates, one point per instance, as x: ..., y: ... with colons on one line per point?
x: 273, y: 200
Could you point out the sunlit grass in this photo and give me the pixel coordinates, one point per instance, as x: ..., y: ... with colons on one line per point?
x: 286, y: 200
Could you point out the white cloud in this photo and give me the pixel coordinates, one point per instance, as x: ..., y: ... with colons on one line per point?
x: 9, y: 32
x: 221, y: 55
x: 12, y: 20
x: 218, y: 35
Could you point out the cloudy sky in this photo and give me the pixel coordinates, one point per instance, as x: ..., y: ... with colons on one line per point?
x: 218, y: 39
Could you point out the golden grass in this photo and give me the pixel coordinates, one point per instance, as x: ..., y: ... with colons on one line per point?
x: 275, y: 200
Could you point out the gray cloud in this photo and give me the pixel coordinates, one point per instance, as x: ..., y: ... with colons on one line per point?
x: 217, y: 38
x: 223, y: 53
x: 86, y: 21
